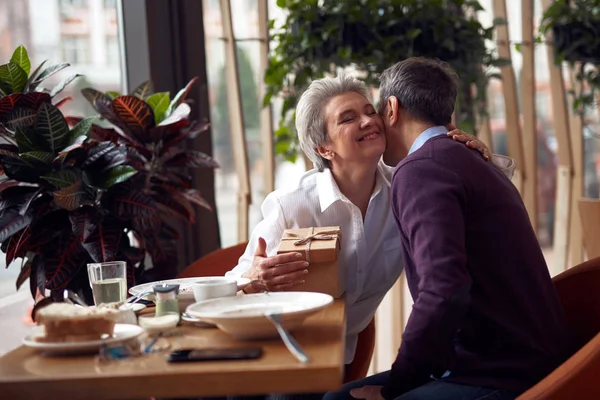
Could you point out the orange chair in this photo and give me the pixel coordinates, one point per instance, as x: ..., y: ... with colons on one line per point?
x: 577, y: 378
x: 220, y: 261
x: 359, y: 367
x: 215, y: 263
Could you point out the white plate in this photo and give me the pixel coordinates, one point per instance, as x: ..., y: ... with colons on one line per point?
x: 243, y: 316
x: 122, y: 333
x: 186, y: 291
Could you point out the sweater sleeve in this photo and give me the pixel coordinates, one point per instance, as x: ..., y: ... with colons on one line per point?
x: 429, y: 202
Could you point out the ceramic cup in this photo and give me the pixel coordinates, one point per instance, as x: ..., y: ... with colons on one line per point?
x: 211, y: 289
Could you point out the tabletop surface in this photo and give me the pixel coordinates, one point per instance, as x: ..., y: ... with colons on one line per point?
x: 27, y: 374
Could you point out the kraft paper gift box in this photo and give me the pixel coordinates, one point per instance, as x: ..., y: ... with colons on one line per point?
x: 320, y: 247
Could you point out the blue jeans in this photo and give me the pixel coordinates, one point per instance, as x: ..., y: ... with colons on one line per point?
x: 434, y: 390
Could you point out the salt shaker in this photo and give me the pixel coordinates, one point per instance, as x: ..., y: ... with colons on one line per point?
x: 166, y: 299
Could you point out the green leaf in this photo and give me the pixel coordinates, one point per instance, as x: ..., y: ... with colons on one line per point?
x: 59, y: 88
x: 83, y: 128
x: 413, y: 33
x: 142, y: 91
x: 33, y: 77
x: 52, y: 127
x: 21, y: 58
x: 159, y: 103
x: 112, y: 94
x: 71, y: 197
x: 47, y: 73
x: 14, y: 75
x: 181, y: 95
x: 267, y: 99
x: 19, y: 117
x: 25, y: 138
x: 500, y: 62
x: 518, y: 47
x: 39, y: 156
x: 499, y: 21
x: 281, y: 146
x: 62, y: 179
x: 116, y: 175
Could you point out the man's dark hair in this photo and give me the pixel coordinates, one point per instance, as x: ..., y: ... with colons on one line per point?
x: 425, y: 88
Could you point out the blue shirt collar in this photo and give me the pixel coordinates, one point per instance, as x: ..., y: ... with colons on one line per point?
x: 426, y: 135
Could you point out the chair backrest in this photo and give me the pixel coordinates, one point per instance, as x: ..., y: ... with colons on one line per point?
x: 579, y: 291
x: 589, y: 210
x: 215, y: 263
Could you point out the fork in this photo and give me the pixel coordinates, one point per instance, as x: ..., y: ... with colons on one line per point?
x: 289, y: 341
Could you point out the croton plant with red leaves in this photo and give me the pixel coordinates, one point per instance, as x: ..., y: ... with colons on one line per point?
x: 75, y: 191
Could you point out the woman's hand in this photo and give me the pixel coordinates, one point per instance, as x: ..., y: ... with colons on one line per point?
x: 275, y: 273
x: 470, y: 140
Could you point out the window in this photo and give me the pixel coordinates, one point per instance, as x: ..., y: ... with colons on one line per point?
x: 73, y: 3
x: 75, y: 50
x: 246, y: 31
x: 112, y: 50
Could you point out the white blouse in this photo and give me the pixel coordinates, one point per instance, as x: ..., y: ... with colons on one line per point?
x: 370, y: 251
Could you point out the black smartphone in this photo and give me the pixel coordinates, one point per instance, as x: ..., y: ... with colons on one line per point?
x: 240, y: 353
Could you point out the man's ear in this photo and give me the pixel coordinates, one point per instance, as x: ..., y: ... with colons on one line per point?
x: 392, y: 110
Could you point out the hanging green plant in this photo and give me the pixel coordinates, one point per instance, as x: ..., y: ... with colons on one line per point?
x: 575, y: 25
x: 372, y: 35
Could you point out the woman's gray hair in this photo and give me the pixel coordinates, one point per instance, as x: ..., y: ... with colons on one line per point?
x: 310, y: 116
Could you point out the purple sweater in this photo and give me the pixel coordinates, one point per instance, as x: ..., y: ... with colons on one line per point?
x: 485, y: 308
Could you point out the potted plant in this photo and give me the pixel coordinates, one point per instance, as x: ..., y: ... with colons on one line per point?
x: 372, y: 35
x: 74, y: 192
x: 576, y: 28
x: 152, y: 126
x: 576, y: 31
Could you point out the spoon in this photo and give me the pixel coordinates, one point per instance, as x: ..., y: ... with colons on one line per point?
x: 292, y: 345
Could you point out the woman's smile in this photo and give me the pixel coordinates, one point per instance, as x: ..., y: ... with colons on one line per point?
x: 369, y: 136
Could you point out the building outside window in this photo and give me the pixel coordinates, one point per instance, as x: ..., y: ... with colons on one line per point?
x: 76, y: 49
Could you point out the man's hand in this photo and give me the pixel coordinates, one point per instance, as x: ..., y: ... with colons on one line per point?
x: 275, y: 273
x: 367, y: 393
x: 470, y: 140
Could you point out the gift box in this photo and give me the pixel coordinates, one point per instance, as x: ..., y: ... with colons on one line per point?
x: 320, y: 247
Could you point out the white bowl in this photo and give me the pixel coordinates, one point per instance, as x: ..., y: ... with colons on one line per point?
x: 244, y: 316
x: 214, y: 288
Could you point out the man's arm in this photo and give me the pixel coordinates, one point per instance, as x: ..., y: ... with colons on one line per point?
x: 429, y: 203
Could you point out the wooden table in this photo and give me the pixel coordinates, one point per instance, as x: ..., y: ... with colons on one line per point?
x: 26, y: 374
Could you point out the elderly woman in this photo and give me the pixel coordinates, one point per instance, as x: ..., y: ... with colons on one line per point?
x: 341, y: 132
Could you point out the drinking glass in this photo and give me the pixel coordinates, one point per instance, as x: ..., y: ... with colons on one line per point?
x: 108, y: 281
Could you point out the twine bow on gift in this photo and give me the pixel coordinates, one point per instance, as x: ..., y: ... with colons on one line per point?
x: 325, y: 235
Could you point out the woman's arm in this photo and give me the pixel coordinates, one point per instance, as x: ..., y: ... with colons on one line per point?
x: 506, y: 164
x: 260, y: 262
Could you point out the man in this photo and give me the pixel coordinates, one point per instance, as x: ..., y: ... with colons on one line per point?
x: 486, y: 321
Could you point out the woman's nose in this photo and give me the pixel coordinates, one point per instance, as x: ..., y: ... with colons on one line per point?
x: 366, y: 121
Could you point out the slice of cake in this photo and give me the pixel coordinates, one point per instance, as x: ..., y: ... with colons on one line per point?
x: 64, y: 322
